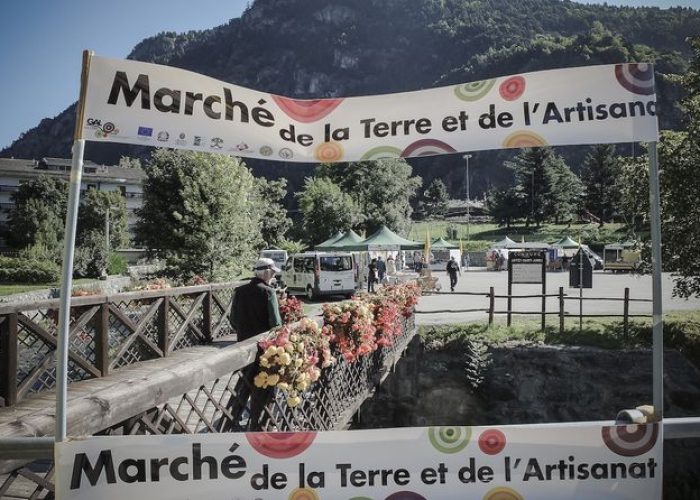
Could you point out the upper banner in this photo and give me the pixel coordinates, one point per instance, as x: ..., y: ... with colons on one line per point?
x: 148, y: 104
x: 584, y: 461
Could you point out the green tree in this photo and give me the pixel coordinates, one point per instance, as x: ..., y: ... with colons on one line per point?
x: 504, y: 205
x: 274, y: 222
x: 325, y: 209
x: 382, y: 190
x: 435, y: 199
x: 634, y: 192
x: 98, y: 207
x: 39, y: 213
x: 531, y: 184
x: 601, y: 177
x: 565, y: 190
x: 199, y: 214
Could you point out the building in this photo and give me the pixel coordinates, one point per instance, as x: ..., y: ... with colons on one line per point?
x: 14, y: 172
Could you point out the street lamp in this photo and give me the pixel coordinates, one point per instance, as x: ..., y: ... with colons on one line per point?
x: 466, y: 178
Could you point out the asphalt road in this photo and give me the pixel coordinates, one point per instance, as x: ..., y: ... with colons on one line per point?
x: 606, y: 285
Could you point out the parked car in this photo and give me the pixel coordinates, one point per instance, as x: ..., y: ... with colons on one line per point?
x: 320, y: 273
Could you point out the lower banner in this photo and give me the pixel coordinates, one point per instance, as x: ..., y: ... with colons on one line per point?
x: 591, y: 460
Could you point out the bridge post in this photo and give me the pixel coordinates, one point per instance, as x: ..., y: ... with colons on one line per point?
x: 206, y: 316
x: 8, y: 360
x: 163, y: 329
x: 102, y: 341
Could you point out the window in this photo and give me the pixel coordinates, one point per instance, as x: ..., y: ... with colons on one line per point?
x: 298, y: 265
x: 341, y: 263
x: 309, y: 264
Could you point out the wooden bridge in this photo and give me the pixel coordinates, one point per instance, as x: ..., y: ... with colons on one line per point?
x: 152, y: 362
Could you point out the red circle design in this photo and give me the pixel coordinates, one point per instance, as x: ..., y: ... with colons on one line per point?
x: 280, y: 444
x: 512, y: 88
x: 492, y: 441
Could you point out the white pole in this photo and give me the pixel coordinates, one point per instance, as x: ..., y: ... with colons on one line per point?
x: 63, y: 341
x: 657, y: 307
x: 62, y: 346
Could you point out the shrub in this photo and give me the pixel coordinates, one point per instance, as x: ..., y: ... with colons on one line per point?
x: 28, y: 271
x: 117, y: 264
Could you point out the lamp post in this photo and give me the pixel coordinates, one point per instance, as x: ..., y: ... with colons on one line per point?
x: 466, y: 179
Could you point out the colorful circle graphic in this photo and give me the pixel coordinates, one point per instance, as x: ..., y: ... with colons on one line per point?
x: 524, y: 139
x: 405, y: 495
x: 280, y: 444
x: 427, y: 147
x: 630, y: 440
x: 381, y: 152
x: 503, y: 493
x: 303, y: 494
x: 492, y: 441
x: 306, y: 111
x: 512, y: 88
x: 637, y: 78
x: 474, y: 91
x: 449, y: 439
x: 329, y: 151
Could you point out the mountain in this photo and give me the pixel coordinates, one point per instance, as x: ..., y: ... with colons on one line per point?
x: 321, y: 48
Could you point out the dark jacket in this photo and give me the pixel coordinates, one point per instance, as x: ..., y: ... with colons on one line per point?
x: 255, y: 309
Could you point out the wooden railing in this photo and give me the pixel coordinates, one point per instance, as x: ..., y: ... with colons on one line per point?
x: 107, y: 332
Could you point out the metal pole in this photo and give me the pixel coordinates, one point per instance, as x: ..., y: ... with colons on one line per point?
x: 76, y: 173
x: 657, y: 308
x: 466, y: 157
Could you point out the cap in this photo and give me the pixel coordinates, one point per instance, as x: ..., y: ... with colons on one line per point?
x: 265, y: 263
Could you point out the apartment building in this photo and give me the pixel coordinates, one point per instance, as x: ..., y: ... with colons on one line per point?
x: 14, y: 172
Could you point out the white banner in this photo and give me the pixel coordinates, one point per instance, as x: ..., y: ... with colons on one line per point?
x: 147, y: 104
x: 591, y: 460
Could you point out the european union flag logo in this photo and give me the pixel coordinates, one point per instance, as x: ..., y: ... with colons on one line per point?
x: 145, y: 131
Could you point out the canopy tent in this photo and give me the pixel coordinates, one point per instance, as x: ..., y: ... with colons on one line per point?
x: 385, y: 239
x: 440, y: 243
x: 566, y: 243
x: 504, y: 243
x: 349, y: 239
x: 329, y: 241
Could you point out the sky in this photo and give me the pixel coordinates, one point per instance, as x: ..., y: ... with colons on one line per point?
x: 41, y: 44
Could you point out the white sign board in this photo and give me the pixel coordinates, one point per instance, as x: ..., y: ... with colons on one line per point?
x: 526, y: 272
x: 593, y: 460
x: 148, y: 104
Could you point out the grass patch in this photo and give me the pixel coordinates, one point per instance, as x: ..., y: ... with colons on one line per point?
x: 681, y: 332
x: 12, y: 288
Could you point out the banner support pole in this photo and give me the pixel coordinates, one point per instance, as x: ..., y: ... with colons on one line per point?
x: 63, y: 341
x: 657, y: 306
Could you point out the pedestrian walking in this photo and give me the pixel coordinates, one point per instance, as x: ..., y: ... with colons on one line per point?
x: 372, y: 275
x: 453, y: 270
x: 381, y: 269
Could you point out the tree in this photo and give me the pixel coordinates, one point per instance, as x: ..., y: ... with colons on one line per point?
x: 435, y: 199
x: 39, y: 214
x: 679, y: 157
x: 382, y: 190
x: 325, y: 209
x: 601, y: 177
x: 96, y: 208
x: 565, y: 190
x: 199, y: 214
x: 531, y: 182
x: 274, y: 222
x: 504, y: 205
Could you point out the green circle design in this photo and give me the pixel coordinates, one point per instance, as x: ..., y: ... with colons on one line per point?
x: 475, y: 90
x: 381, y: 152
x: 449, y: 439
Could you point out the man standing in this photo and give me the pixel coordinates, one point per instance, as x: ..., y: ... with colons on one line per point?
x: 372, y: 275
x: 453, y: 269
x: 254, y: 310
x: 255, y: 307
x: 381, y: 269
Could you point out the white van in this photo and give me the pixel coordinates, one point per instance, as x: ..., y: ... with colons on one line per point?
x: 277, y: 255
x: 320, y: 273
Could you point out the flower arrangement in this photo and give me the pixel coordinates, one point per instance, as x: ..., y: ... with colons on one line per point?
x: 387, y: 319
x: 351, y: 328
x: 291, y: 309
x: 404, y: 295
x: 292, y: 359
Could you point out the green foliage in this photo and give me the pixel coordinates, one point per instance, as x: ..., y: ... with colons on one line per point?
x: 325, y: 209
x: 274, y: 222
x: 505, y: 205
x: 601, y: 177
x: 382, y: 190
x: 98, y: 207
x: 117, y: 264
x: 565, y: 190
x: 435, y: 199
x: 21, y: 270
x: 127, y: 162
x: 199, y: 214
x: 90, y: 259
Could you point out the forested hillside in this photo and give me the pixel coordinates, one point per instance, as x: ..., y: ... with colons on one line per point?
x: 317, y: 48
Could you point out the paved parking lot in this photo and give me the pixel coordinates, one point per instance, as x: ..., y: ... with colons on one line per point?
x: 604, y: 285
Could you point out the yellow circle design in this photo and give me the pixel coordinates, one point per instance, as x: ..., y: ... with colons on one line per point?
x: 329, y: 151
x: 303, y: 494
x: 524, y: 139
x: 503, y: 493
